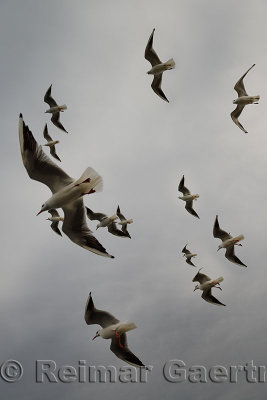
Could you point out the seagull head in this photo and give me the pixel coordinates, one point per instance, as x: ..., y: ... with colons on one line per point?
x: 235, y: 101
x: 96, y: 335
x: 45, y: 207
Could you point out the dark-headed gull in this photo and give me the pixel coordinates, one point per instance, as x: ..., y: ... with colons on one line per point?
x: 67, y: 193
x: 188, y: 255
x: 54, y: 109
x: 242, y: 100
x: 112, y: 329
x: 55, y: 219
x: 51, y: 143
x: 124, y: 222
x: 158, y: 67
x: 188, y: 198
x: 109, y: 222
x: 228, y: 242
x: 206, y: 284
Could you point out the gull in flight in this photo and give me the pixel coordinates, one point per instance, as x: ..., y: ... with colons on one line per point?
x: 124, y: 222
x: 54, y: 109
x: 242, y: 100
x: 188, y: 198
x: 206, y: 284
x: 106, y: 221
x: 55, y: 219
x: 228, y: 243
x: 67, y: 193
x: 112, y: 329
x: 188, y: 255
x: 51, y: 143
x: 158, y: 67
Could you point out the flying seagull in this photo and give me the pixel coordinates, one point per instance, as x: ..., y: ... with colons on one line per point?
x: 206, y: 284
x: 106, y: 221
x: 51, y: 143
x: 158, y: 67
x: 67, y: 193
x: 242, y: 100
x: 55, y: 219
x: 188, y: 255
x: 112, y: 329
x: 188, y: 198
x: 124, y: 222
x: 54, y: 109
x: 228, y: 242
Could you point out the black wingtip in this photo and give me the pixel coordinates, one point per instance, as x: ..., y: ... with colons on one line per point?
x: 20, y: 115
x: 112, y: 257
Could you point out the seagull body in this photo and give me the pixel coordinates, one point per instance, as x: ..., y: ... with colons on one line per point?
x: 51, y: 143
x: 55, y: 219
x: 105, y: 220
x: 54, y: 109
x: 228, y: 242
x: 242, y: 100
x: 124, y: 222
x: 158, y: 67
x: 188, y: 198
x: 206, y: 284
x: 188, y: 255
x: 112, y: 329
x: 67, y: 193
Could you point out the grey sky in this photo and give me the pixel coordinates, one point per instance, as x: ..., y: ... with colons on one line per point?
x: 93, y: 54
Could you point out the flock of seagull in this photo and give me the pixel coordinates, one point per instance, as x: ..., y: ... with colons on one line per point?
x: 67, y: 194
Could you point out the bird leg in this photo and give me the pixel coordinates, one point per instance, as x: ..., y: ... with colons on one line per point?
x: 118, y: 336
x: 218, y: 287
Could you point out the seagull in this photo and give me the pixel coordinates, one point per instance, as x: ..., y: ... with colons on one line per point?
x: 55, y: 219
x: 188, y: 198
x: 112, y: 329
x: 54, y: 109
x: 188, y: 255
x: 51, y: 143
x: 67, y: 193
x: 157, y: 67
x: 112, y: 228
x: 228, y: 243
x: 104, y: 220
x: 124, y: 222
x: 206, y: 284
x: 242, y: 100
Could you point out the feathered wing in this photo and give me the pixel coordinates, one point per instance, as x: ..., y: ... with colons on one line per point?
x: 239, y: 86
x: 55, y: 119
x: 189, y: 262
x: 46, y: 134
x: 76, y: 228
x: 201, y: 278
x: 206, y: 295
x: 94, y: 316
x: 53, y: 153
x: 182, y: 187
x: 235, y: 114
x: 124, y: 353
x: 112, y: 228
x: 150, y: 54
x: 49, y: 99
x: 94, y: 216
x: 55, y: 228
x: 189, y: 208
x: 38, y: 165
x: 185, y: 250
x: 156, y: 86
x: 230, y: 255
x: 218, y: 232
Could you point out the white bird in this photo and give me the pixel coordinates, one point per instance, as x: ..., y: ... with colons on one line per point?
x: 103, y: 218
x: 55, y: 219
x: 242, y: 100
x: 206, y: 284
x: 124, y: 222
x: 54, y: 109
x: 158, y: 67
x: 51, y: 143
x: 112, y: 329
x: 228, y: 242
x: 188, y: 198
x: 67, y: 193
x: 188, y: 255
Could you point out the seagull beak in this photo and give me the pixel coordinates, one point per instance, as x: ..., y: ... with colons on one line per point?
x: 39, y: 212
x: 95, y: 337
x: 194, y: 289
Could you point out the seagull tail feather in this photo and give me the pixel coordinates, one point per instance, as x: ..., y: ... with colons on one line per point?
x: 90, y: 180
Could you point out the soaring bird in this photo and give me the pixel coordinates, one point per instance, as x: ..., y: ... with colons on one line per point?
x: 188, y: 198
x: 242, y: 100
x: 51, y: 143
x: 124, y: 222
x: 206, y: 284
x: 112, y: 329
x: 158, y: 67
x: 228, y: 242
x: 67, y: 193
x: 55, y: 219
x: 188, y: 255
x: 54, y: 109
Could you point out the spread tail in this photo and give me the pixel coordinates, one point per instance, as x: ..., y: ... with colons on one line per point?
x: 170, y: 63
x: 91, y: 181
